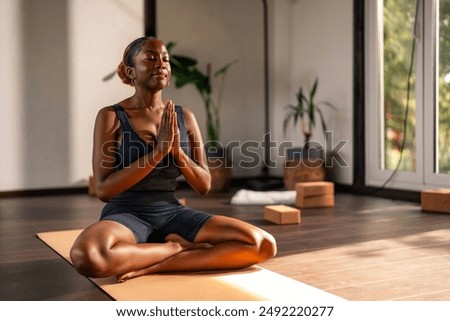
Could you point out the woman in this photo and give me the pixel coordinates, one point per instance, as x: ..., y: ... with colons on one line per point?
x: 141, y: 145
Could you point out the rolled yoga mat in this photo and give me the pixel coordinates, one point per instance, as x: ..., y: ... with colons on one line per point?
x: 251, y: 284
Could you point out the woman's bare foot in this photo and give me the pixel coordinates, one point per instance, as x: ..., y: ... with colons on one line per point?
x: 125, y: 277
x: 185, y: 244
x: 174, y: 238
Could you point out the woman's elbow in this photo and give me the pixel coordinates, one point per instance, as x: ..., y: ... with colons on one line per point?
x: 204, y: 191
x: 103, y: 195
x: 205, y: 186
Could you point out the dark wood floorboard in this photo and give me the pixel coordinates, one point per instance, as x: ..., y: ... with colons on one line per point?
x: 364, y: 248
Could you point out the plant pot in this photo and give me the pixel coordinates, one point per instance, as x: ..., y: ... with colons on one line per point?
x: 303, y: 165
x: 219, y: 165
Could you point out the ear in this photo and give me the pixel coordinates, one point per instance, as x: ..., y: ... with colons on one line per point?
x: 130, y: 73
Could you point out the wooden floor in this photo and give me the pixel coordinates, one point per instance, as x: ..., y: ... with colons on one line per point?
x: 365, y: 248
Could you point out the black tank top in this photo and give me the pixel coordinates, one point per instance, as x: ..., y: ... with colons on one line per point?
x: 163, y: 177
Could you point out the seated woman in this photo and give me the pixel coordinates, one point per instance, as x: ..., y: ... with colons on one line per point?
x: 141, y: 145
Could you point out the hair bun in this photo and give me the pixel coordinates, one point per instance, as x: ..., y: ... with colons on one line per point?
x: 121, y: 72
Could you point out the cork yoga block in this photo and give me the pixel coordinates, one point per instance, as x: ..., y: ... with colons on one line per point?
x: 282, y: 214
x: 314, y: 188
x: 314, y: 194
x: 436, y: 200
x: 315, y: 201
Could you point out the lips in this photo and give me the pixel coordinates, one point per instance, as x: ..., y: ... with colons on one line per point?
x: 159, y: 74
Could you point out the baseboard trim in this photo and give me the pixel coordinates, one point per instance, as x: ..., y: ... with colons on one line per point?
x: 389, y: 193
x: 44, y: 192
x: 240, y: 182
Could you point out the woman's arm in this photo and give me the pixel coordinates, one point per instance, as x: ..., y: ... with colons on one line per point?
x: 194, y: 169
x: 110, y: 182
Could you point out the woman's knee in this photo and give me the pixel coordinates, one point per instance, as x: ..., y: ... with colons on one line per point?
x: 224, y: 229
x: 88, y: 260
x: 263, y: 243
x: 267, y: 246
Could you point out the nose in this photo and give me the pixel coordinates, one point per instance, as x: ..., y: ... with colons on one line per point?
x: 159, y: 62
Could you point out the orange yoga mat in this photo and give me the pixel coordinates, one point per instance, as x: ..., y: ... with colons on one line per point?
x: 252, y: 284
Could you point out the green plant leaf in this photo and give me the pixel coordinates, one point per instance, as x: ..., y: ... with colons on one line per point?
x: 183, y: 60
x: 329, y: 105
x: 301, y: 99
x: 190, y: 75
x: 170, y: 45
x: 314, y: 89
x: 322, y: 120
x: 224, y: 68
x: 311, y: 104
x: 178, y: 61
x: 185, y: 72
x: 300, y: 96
x: 311, y: 113
x: 305, y: 111
x: 291, y: 114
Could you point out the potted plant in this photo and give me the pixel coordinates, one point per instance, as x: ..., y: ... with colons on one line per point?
x: 185, y: 71
x: 305, y: 163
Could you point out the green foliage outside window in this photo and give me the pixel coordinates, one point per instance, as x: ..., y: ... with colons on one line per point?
x: 398, y: 16
x: 444, y: 87
x: 398, y: 26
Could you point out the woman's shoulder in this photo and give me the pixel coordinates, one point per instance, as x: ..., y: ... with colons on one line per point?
x: 110, y: 111
x: 187, y: 112
x: 107, y: 116
x: 189, y: 118
x: 107, y: 112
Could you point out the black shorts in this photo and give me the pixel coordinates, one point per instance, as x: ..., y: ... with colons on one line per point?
x: 153, y: 222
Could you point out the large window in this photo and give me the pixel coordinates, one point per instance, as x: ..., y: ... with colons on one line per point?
x: 443, y: 126
x: 408, y: 93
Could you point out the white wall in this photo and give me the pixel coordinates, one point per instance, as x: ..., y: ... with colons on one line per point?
x: 314, y: 38
x: 99, y: 32
x: 308, y: 39
x: 281, y: 44
x: 217, y: 32
x: 34, y: 94
x: 56, y: 52
x: 54, y: 56
x: 11, y: 162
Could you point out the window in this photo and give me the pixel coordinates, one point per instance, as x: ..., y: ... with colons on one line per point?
x: 408, y: 93
x: 443, y: 111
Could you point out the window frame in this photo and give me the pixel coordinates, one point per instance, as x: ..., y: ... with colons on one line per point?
x: 425, y: 89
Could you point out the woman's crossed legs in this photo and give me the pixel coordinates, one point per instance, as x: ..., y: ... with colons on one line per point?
x: 108, y: 248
